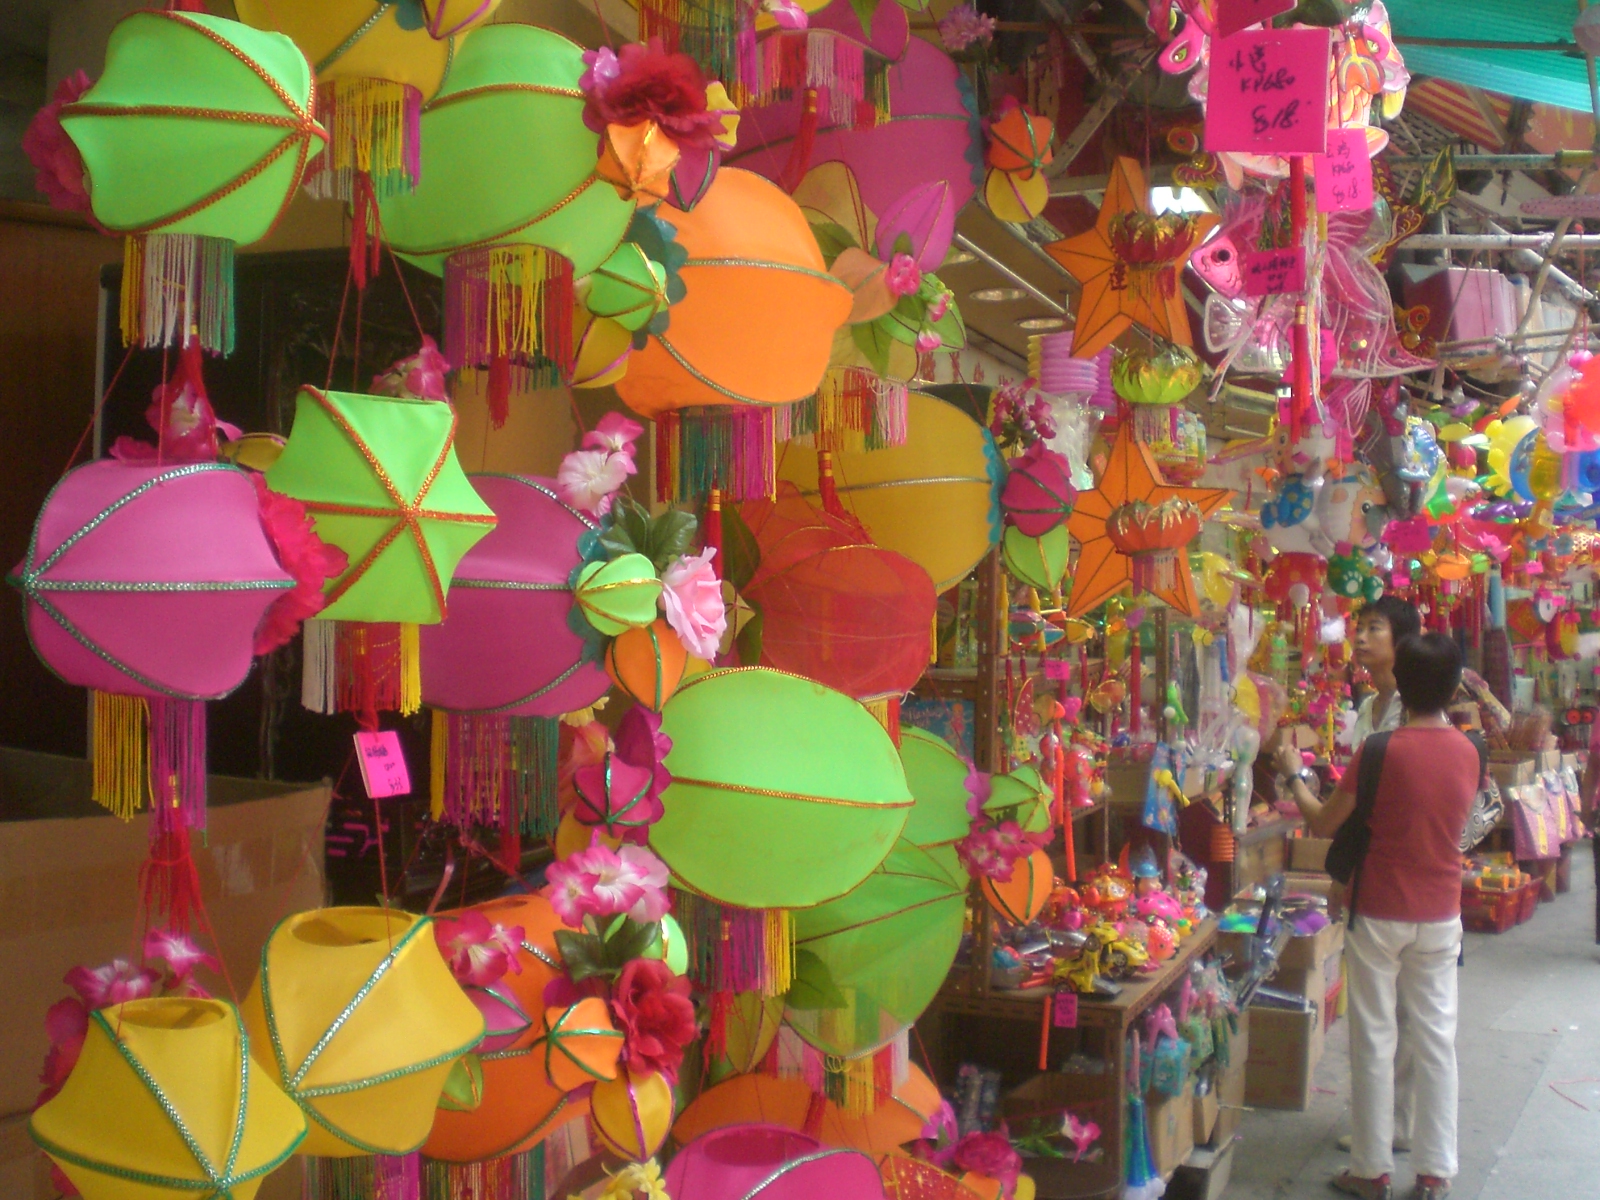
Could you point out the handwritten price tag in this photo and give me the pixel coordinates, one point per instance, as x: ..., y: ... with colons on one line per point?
x: 383, y: 766
x: 1274, y: 272
x: 1268, y: 92
x: 1344, y: 173
x: 1065, y: 1010
x: 1234, y: 15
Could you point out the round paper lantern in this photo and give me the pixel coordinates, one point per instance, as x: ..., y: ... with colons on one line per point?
x: 520, y: 1105
x: 381, y: 481
x: 618, y: 595
x: 510, y: 185
x: 149, y: 581
x: 631, y: 1115
x: 810, y: 775
x: 1039, y: 562
x: 164, y: 1101
x: 507, y: 646
x: 580, y: 1044
x: 750, y: 251
x: 1161, y: 379
x: 727, y: 1163
x: 1038, y: 492
x: 1021, y: 796
x: 1022, y: 898
x: 194, y: 140
x: 884, y: 949
x: 359, y: 1018
x: 647, y: 663
x: 937, y: 777
x: 834, y: 607
x: 936, y: 499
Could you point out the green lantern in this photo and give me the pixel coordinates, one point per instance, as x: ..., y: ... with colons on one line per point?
x: 1021, y: 796
x: 619, y: 595
x: 937, y: 777
x: 1039, y: 562
x: 869, y: 963
x: 628, y: 288
x: 381, y: 481
x: 510, y: 208
x: 784, y: 793
x: 194, y: 141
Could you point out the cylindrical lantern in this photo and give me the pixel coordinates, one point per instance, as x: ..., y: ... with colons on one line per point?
x: 1022, y: 897
x: 357, y: 1015
x: 810, y: 769
x: 631, y: 1115
x: 647, y: 663
x: 164, y: 1101
x: 194, y: 141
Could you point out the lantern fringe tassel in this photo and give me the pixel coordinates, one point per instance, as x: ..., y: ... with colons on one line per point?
x: 509, y: 308
x: 737, y: 949
x: 857, y: 1086
x: 514, y: 1177
x: 1155, y: 571
x: 175, y: 285
x: 724, y: 449
x: 119, y: 750
x: 495, y: 770
x: 374, y: 129
x: 363, y: 1177
x: 361, y: 667
x: 886, y: 712
x: 853, y: 410
x: 857, y: 82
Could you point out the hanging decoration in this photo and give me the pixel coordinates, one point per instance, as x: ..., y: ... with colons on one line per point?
x: 1016, y: 187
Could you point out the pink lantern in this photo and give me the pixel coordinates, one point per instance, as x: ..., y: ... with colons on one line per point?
x: 930, y: 135
x: 506, y: 662
x: 727, y: 1163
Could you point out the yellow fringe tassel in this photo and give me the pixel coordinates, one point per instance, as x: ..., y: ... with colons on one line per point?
x: 366, y: 125
x: 438, y: 750
x: 516, y: 298
x: 879, y: 710
x: 860, y: 1085
x: 130, y: 307
x: 120, y: 753
x: 780, y: 950
x: 410, y: 668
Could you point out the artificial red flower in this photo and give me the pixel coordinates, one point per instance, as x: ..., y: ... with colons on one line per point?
x: 648, y: 84
x: 67, y: 1024
x: 301, y: 553
x: 990, y: 1155
x: 653, y: 1009
x: 57, y: 165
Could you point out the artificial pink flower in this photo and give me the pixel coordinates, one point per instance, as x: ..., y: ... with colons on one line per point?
x: 989, y: 1155
x: 600, y: 70
x: 309, y: 559
x: 479, y: 953
x: 928, y: 341
x: 649, y: 874
x: 641, y: 743
x: 591, y: 742
x: 66, y: 1024
x: 1082, y: 1135
x: 420, y: 377
x: 57, y: 165
x: 589, y: 479
x: 979, y: 785
x: 593, y: 882
x: 114, y: 983
x: 656, y: 1016
x: 965, y: 26
x: 938, y: 306
x: 691, y: 595
x: 180, y: 954
x: 902, y: 276
x: 615, y: 434
x: 786, y: 14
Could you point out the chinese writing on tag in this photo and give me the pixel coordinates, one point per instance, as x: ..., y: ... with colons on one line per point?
x: 1268, y: 92
x: 1344, y: 172
x: 1274, y: 272
x: 383, y: 766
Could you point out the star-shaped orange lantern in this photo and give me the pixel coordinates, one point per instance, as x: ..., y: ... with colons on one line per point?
x: 1129, y: 265
x: 1135, y: 519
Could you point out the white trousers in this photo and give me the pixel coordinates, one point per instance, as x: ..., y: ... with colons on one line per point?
x: 1397, y: 967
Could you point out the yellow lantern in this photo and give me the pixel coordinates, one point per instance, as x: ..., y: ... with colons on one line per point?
x: 357, y: 1015
x: 631, y: 1115
x: 164, y: 1101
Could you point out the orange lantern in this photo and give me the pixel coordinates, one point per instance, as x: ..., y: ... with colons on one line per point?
x: 581, y: 1045
x: 631, y: 1115
x: 1152, y: 536
x: 1022, y: 897
x: 647, y: 663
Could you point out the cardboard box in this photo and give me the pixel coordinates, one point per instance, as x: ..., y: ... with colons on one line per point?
x: 1302, y: 953
x: 1204, y: 1175
x: 1285, y: 1047
x: 1171, y: 1123
x: 1512, y: 773
x: 1207, y: 1108
x: 1313, y: 982
x: 1230, y: 1085
x: 1309, y: 854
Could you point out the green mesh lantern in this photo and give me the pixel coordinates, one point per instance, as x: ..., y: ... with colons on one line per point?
x: 937, y: 777
x: 509, y: 208
x: 869, y: 963
x: 194, y: 141
x: 784, y: 793
x: 1039, y: 562
x: 381, y: 481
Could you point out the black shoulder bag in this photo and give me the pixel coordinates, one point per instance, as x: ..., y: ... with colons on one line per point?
x: 1350, y: 843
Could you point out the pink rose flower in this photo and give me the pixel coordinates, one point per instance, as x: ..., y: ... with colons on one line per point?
x: 691, y: 595
x: 990, y: 1155
x: 589, y: 479
x: 902, y: 276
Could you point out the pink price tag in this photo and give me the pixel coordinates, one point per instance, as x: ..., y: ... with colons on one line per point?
x: 1268, y: 92
x: 1065, y: 1011
x: 1234, y: 15
x: 383, y: 765
x: 1344, y: 173
x: 1274, y: 272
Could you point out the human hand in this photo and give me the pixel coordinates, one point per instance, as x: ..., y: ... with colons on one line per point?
x: 1287, y: 759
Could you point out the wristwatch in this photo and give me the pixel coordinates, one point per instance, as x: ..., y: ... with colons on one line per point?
x: 1305, y: 775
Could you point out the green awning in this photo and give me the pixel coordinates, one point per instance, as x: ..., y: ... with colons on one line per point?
x: 1538, y: 75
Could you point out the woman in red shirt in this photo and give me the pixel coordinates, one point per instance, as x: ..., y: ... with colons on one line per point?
x: 1405, y: 930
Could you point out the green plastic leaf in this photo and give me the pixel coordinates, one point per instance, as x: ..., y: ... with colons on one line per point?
x: 748, y: 642
x: 902, y: 244
x: 633, y: 940
x: 741, y: 553
x: 628, y: 530
x: 951, y: 328
x: 873, y: 339
x: 904, y: 321
x: 813, y: 985
x: 670, y: 536
x: 583, y: 954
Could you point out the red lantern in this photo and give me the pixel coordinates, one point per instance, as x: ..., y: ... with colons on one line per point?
x: 1152, y: 536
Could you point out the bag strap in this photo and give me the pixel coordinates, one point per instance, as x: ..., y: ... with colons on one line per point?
x: 1482, y: 747
x: 1368, y: 776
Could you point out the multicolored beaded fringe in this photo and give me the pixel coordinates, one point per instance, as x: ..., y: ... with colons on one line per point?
x: 699, y: 450
x: 856, y: 1085
x: 720, y: 35
x: 736, y: 949
x: 495, y: 770
x: 363, y: 1177
x: 374, y: 129
x: 853, y: 410
x: 509, y: 302
x: 175, y: 284
x: 856, y: 81
x: 514, y: 1177
x: 359, y: 666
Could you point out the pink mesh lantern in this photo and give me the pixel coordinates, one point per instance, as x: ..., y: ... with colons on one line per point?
x: 506, y: 663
